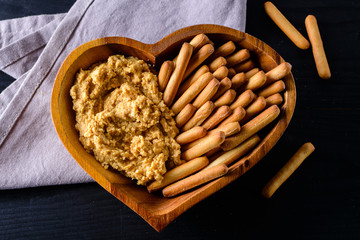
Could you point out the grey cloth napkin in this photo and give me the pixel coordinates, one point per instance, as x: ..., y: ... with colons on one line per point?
x: 32, y: 50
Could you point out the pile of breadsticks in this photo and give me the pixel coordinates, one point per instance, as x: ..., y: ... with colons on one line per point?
x: 220, y: 100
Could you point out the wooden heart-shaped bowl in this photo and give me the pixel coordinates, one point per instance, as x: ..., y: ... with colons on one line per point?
x: 157, y: 210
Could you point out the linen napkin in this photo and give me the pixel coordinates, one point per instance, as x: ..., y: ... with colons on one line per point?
x: 32, y: 50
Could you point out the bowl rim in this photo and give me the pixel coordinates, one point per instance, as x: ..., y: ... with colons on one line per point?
x: 162, y: 218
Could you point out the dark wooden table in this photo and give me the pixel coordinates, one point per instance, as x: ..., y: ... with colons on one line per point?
x: 320, y: 201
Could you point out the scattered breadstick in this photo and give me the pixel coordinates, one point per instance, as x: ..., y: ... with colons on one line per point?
x: 289, y: 168
x: 191, y: 135
x: 178, y: 73
x: 244, y: 66
x: 191, y: 79
x: 278, y: 72
x: 321, y: 62
x: 199, y: 57
x: 221, y: 72
x: 184, y: 115
x: 238, y: 57
x: 254, y: 108
x: 208, y: 143
x: 255, y: 82
x: 284, y: 24
x: 200, y: 116
x: 225, y: 84
x: 243, y: 100
x: 230, y: 156
x: 192, y: 92
x: 251, y: 73
x: 275, y: 99
x: 252, y: 127
x: 238, y: 80
x: 219, y: 114
x: 236, y: 116
x: 164, y: 74
x: 231, y: 73
x: 178, y: 173
x: 276, y: 87
x: 194, y: 180
x: 207, y: 93
x: 215, y: 64
x: 197, y: 42
x: 223, y: 51
x: 226, y: 99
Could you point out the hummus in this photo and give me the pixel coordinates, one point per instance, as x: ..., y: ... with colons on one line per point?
x: 122, y: 119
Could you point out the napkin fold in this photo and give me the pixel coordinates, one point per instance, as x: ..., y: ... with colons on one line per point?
x: 32, y: 50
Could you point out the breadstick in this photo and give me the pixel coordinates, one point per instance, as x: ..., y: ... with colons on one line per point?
x: 164, y: 74
x: 223, y: 51
x: 215, y: 155
x: 243, y: 100
x: 178, y: 173
x: 238, y: 80
x: 255, y: 82
x: 207, y: 93
x: 213, y: 152
x: 276, y: 87
x: 200, y: 116
x: 284, y: 24
x: 197, y: 42
x: 238, y: 57
x: 184, y: 115
x: 191, y: 135
x: 251, y: 73
x: 190, y: 80
x: 219, y: 114
x: 229, y: 129
x: 252, y: 127
x: 227, y: 98
x: 210, y: 142
x: 244, y: 66
x: 192, y: 92
x: 321, y: 62
x: 230, y: 156
x: 278, y: 72
x: 236, y: 116
x: 255, y: 107
x: 218, y: 62
x: 194, y: 180
x: 199, y: 57
x: 221, y: 72
x: 225, y: 84
x: 231, y: 73
x: 289, y: 168
x: 275, y: 99
x: 178, y: 73
x: 196, y: 142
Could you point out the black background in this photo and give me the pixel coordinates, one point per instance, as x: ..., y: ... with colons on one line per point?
x: 321, y: 200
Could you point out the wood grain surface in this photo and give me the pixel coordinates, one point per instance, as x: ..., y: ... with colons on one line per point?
x: 320, y: 201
